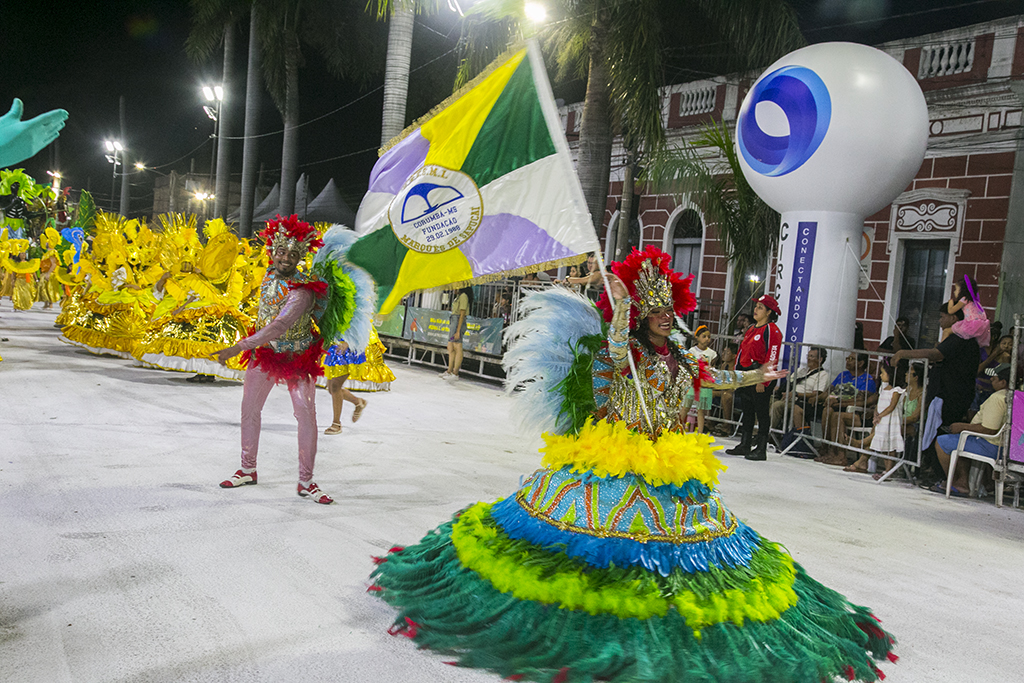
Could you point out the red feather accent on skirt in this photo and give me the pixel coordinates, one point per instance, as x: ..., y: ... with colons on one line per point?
x: 287, y: 367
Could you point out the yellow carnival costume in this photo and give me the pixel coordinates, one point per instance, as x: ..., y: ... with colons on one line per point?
x: 112, y: 313
x: 202, y: 310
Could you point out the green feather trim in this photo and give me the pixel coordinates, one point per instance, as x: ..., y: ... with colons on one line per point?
x: 577, y: 387
x: 341, y: 302
x: 760, y: 592
x: 459, y: 613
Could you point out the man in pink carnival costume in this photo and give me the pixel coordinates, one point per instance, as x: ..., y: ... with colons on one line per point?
x: 284, y: 348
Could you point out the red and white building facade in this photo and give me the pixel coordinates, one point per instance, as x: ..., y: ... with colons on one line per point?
x: 962, y: 214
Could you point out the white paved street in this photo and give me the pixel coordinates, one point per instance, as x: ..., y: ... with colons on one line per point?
x: 122, y: 560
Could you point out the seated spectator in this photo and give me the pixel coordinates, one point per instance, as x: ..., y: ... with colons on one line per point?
x: 988, y: 421
x: 725, y: 398
x: 806, y: 390
x: 854, y: 387
x: 899, y: 339
x: 998, y: 354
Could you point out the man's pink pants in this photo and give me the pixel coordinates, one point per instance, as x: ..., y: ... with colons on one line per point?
x: 255, y: 390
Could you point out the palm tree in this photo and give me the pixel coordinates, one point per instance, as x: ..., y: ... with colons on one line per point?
x: 345, y: 38
x: 213, y: 23
x: 617, y: 45
x: 250, y: 145
x: 339, y: 32
x: 747, y: 227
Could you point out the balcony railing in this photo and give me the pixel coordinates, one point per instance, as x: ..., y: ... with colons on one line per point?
x: 946, y: 59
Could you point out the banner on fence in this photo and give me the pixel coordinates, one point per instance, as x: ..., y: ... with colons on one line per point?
x: 430, y: 325
x: 391, y: 324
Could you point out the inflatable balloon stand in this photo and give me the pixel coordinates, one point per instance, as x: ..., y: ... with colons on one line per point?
x: 827, y: 136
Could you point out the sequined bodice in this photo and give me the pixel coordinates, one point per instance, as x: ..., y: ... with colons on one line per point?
x: 664, y: 395
x: 273, y: 295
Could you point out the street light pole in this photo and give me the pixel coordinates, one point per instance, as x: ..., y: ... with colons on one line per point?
x: 214, y: 95
x: 114, y: 147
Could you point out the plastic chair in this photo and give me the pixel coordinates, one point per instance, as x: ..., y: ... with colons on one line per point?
x: 960, y: 452
x: 1013, y: 476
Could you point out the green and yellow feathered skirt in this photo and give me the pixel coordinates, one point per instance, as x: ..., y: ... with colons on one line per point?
x: 619, y: 562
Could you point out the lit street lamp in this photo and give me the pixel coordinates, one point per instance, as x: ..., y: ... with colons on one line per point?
x: 114, y: 147
x: 535, y: 12
x: 202, y: 198
x: 56, y: 181
x: 215, y: 95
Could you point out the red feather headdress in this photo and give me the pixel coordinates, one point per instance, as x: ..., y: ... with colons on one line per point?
x: 647, y: 284
x: 292, y: 233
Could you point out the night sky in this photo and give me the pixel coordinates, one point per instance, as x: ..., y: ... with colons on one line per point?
x: 82, y: 56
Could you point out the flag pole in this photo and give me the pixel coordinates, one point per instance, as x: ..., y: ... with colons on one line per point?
x: 551, y: 115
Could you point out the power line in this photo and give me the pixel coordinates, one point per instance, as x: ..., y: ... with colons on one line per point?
x: 344, y: 106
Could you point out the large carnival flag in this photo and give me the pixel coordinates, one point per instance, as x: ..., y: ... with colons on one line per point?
x: 483, y: 189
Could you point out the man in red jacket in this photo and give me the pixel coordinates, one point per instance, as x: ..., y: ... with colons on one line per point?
x: 761, y: 347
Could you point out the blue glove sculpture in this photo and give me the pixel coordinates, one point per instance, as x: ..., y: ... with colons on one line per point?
x: 20, y: 140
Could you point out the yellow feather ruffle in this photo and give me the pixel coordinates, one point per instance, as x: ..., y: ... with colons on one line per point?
x: 611, y: 449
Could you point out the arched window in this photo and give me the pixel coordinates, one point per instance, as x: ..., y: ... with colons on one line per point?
x: 687, y: 236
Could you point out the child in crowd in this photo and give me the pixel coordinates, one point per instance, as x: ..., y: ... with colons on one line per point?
x: 975, y: 323
x: 887, y: 433
x: 702, y: 335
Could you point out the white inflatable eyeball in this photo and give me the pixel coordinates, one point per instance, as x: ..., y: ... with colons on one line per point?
x: 832, y: 127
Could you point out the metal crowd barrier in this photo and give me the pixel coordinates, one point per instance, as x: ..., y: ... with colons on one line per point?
x: 856, y: 413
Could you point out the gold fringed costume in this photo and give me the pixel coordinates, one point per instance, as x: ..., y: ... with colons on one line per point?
x: 19, y: 273
x: 202, y: 311
x: 111, y: 315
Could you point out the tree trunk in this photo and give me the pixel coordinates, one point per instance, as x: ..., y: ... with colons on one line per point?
x: 625, y: 208
x: 222, y: 188
x: 250, y: 146
x: 396, y: 70
x: 593, y: 163
x: 290, y: 144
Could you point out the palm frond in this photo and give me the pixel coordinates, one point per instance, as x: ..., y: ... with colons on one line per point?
x: 759, y: 30
x: 633, y: 51
x: 747, y: 227
x: 208, y: 20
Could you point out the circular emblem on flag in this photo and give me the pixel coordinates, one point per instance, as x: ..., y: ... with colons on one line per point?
x: 436, y: 210
x: 803, y: 98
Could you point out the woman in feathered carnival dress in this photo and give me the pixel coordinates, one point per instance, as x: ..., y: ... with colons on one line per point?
x: 201, y: 310
x: 618, y: 560
x: 124, y: 286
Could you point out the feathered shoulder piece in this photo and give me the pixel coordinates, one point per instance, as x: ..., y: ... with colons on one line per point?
x: 353, y: 293
x: 550, y: 359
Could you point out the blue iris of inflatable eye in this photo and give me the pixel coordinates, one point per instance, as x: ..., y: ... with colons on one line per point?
x: 803, y: 97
